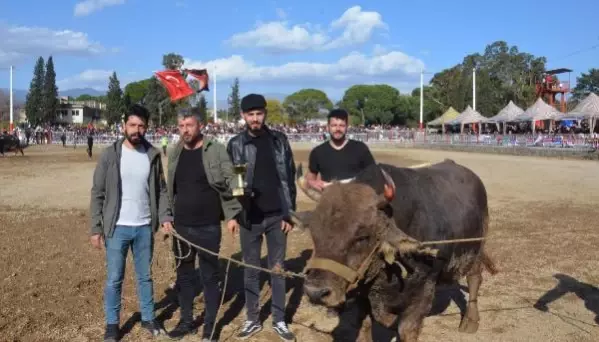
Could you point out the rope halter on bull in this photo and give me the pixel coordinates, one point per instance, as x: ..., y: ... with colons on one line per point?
x: 402, y: 244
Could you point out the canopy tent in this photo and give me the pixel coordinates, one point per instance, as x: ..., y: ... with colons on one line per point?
x: 587, y: 109
x: 507, y: 114
x: 540, y: 111
x: 448, y: 116
x: 469, y: 116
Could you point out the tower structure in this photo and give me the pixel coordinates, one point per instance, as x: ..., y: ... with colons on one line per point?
x: 549, y: 86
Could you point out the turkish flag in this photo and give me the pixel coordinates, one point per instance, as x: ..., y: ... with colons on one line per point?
x: 174, y: 83
x: 202, y: 76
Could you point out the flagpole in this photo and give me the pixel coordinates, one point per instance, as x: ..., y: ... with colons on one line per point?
x: 11, y: 123
x: 421, y: 126
x: 214, y: 93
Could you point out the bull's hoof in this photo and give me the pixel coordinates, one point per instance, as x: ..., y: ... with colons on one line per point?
x: 468, y: 326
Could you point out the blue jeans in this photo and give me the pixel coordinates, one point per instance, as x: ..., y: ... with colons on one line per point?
x: 141, y: 241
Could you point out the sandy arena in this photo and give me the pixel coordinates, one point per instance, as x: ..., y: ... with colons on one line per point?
x: 543, y: 237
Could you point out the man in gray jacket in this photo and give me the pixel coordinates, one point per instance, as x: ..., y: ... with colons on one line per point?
x: 128, y: 191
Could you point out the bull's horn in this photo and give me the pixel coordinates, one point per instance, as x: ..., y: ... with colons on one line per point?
x: 405, y: 244
x: 313, y: 194
x: 389, y: 190
x: 419, y: 166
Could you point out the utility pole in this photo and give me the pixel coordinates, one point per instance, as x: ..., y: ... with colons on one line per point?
x: 11, y: 124
x: 214, y: 93
x: 474, y: 88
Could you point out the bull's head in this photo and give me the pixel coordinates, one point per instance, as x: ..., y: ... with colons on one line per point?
x: 351, y: 236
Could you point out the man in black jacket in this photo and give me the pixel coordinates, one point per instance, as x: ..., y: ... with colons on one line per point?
x: 268, y: 201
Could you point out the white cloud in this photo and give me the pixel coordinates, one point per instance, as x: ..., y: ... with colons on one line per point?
x: 19, y: 42
x: 91, y: 78
x: 392, y: 66
x: 278, y: 36
x: 94, y: 78
x: 87, y: 7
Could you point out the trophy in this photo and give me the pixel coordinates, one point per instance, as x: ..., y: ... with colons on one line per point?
x: 239, y: 170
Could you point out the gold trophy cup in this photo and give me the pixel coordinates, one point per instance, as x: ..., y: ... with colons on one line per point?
x: 239, y: 170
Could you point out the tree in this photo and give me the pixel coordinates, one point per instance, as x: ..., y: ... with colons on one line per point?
x: 114, y: 100
x: 306, y: 104
x: 35, y: 101
x: 372, y: 103
x: 50, y: 93
x: 234, y: 101
x: 137, y: 90
x: 586, y: 83
x: 203, y: 108
x: 172, y: 61
x: 503, y: 73
x: 275, y: 112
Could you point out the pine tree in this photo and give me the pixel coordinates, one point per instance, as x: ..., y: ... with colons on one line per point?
x: 114, y: 100
x: 34, y: 102
x: 234, y: 101
x: 203, y: 108
x: 50, y: 93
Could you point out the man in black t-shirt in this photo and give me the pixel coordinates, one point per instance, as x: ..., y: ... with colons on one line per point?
x: 339, y: 158
x: 199, y: 174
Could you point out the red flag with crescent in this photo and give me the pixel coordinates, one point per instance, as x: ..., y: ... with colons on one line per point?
x: 202, y: 76
x: 175, y: 84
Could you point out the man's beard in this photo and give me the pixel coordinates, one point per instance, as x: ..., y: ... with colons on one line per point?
x: 339, y: 140
x: 134, y: 139
x: 254, y: 130
x: 193, y: 140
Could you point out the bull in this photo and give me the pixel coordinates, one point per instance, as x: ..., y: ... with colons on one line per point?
x: 367, y: 237
x: 10, y: 142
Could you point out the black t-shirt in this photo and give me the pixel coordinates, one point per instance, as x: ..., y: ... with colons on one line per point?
x: 266, y: 184
x: 340, y: 164
x: 196, y: 202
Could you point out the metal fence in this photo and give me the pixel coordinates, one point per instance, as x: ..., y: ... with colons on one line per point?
x: 406, y: 138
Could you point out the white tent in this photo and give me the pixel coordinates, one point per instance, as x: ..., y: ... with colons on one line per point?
x: 508, y: 113
x: 469, y: 116
x: 587, y: 109
x: 540, y: 111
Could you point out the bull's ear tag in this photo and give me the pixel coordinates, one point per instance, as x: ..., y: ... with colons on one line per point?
x: 388, y: 252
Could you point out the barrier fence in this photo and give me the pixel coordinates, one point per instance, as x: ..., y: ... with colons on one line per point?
x: 404, y: 138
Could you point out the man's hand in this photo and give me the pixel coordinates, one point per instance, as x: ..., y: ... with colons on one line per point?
x: 167, y: 228
x: 317, y: 184
x: 233, y: 226
x: 286, y: 226
x: 97, y: 241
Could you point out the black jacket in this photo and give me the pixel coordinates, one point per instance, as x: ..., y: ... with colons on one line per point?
x: 242, y: 151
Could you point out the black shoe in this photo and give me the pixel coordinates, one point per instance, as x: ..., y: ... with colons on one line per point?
x: 283, y: 331
x: 182, y: 329
x: 153, y: 327
x: 112, y: 333
x: 207, y: 331
x: 249, y: 329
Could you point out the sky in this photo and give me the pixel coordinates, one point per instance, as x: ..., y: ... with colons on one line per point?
x: 277, y: 46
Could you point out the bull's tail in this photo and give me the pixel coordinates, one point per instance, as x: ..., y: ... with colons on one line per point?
x: 488, y: 263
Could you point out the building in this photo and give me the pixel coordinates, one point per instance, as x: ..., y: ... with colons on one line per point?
x: 71, y: 112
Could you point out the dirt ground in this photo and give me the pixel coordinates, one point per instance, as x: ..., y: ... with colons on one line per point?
x: 543, y: 236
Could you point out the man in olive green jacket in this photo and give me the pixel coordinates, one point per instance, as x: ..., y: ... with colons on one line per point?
x: 198, y: 182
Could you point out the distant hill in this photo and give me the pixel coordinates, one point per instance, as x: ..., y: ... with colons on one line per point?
x: 19, y: 95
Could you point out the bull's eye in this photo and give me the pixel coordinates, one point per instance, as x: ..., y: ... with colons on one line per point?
x: 361, y: 241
